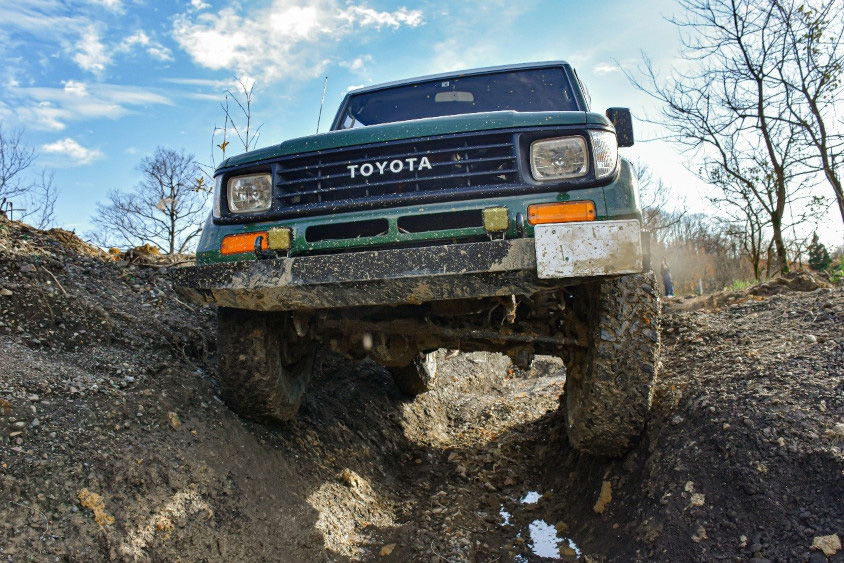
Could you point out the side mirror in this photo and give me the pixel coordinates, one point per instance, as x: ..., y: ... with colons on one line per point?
x: 622, y: 120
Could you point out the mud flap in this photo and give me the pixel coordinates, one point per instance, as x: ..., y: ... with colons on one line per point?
x: 597, y: 248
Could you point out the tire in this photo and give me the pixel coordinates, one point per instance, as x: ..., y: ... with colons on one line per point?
x: 610, y: 377
x: 418, y: 377
x: 264, y: 366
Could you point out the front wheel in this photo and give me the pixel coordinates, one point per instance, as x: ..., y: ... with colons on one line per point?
x: 610, y: 375
x: 264, y: 365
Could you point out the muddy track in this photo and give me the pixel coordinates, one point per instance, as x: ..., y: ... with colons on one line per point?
x: 114, y: 444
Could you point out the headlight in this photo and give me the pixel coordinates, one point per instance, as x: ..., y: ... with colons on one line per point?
x: 250, y: 194
x: 605, y: 148
x: 216, y: 196
x: 556, y: 159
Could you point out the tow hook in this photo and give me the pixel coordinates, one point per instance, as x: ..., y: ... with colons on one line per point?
x: 520, y: 225
x: 260, y: 253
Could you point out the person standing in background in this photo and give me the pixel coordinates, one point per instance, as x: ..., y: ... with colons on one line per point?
x: 666, y: 278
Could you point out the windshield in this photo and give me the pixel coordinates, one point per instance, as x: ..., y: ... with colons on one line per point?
x: 545, y: 89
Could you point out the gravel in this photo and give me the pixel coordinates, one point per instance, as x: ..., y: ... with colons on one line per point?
x: 114, y: 444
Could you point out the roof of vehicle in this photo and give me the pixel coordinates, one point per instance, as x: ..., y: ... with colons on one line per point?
x: 457, y: 73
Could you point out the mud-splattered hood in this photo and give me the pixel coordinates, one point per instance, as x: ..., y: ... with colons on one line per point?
x: 417, y: 128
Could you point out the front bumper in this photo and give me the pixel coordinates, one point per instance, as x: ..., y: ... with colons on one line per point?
x: 563, y: 254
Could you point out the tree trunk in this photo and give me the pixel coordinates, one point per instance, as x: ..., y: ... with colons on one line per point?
x: 839, y: 193
x: 782, y: 254
x: 755, y: 261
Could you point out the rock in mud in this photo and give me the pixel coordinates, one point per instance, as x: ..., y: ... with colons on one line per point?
x: 829, y: 545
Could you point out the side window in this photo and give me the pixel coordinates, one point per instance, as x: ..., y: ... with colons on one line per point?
x: 583, y: 89
x: 348, y: 122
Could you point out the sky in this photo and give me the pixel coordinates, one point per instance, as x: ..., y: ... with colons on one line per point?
x: 97, y: 85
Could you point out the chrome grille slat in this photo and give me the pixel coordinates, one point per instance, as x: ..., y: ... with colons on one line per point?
x: 506, y: 145
x: 472, y: 160
x: 503, y: 160
x: 431, y: 178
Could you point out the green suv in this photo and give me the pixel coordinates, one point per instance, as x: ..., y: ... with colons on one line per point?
x: 485, y: 209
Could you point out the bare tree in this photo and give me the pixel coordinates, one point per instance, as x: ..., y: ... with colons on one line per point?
x: 40, y: 201
x: 167, y: 208
x: 657, y: 199
x: 31, y: 201
x: 813, y: 47
x: 247, y: 134
x: 243, y: 128
x: 702, y: 253
x: 728, y: 108
x: 747, y: 220
x: 15, y: 159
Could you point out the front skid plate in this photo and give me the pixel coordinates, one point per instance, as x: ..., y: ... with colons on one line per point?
x: 382, y: 277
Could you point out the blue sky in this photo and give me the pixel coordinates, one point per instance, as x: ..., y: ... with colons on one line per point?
x: 99, y: 84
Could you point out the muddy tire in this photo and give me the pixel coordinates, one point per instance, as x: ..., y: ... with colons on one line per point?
x: 264, y: 366
x: 418, y: 377
x: 610, y: 377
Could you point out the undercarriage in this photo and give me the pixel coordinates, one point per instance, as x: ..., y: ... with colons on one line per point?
x: 518, y: 326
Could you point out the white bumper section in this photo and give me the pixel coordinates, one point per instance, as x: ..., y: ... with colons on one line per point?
x: 595, y: 248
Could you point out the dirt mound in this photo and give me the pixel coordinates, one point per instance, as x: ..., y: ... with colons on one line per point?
x: 796, y: 281
x: 71, y: 242
x: 750, y: 401
x: 114, y: 444
x: 799, y: 281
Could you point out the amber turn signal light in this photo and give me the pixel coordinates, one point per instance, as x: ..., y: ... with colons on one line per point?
x: 561, y: 212
x: 245, y: 242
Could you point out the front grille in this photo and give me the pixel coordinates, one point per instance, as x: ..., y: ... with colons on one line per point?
x: 431, y: 168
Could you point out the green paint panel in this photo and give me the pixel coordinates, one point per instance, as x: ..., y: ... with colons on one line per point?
x: 213, y: 235
x: 418, y: 128
x: 598, y: 119
x: 622, y: 196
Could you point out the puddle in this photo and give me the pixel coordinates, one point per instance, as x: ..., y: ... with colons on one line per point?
x: 544, y: 539
x: 546, y: 543
x: 505, y: 516
x: 531, y: 498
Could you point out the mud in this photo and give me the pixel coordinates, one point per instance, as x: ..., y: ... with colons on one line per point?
x: 375, y: 277
x: 114, y: 445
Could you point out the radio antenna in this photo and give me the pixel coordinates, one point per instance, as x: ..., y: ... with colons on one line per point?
x: 324, y: 85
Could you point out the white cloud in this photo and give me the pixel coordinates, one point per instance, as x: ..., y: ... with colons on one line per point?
x: 357, y: 64
x: 204, y: 97
x: 604, y: 68
x: 53, y: 108
x: 160, y: 53
x: 476, y: 34
x: 42, y: 18
x: 139, y: 39
x: 91, y: 54
x: 204, y: 89
x: 78, y: 30
x: 367, y: 17
x: 113, y: 5
x: 44, y: 115
x: 77, y: 88
x: 73, y: 150
x: 287, y: 38
x: 201, y: 82
x: 199, y: 5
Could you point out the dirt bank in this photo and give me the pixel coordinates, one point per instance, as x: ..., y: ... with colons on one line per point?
x: 114, y: 445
